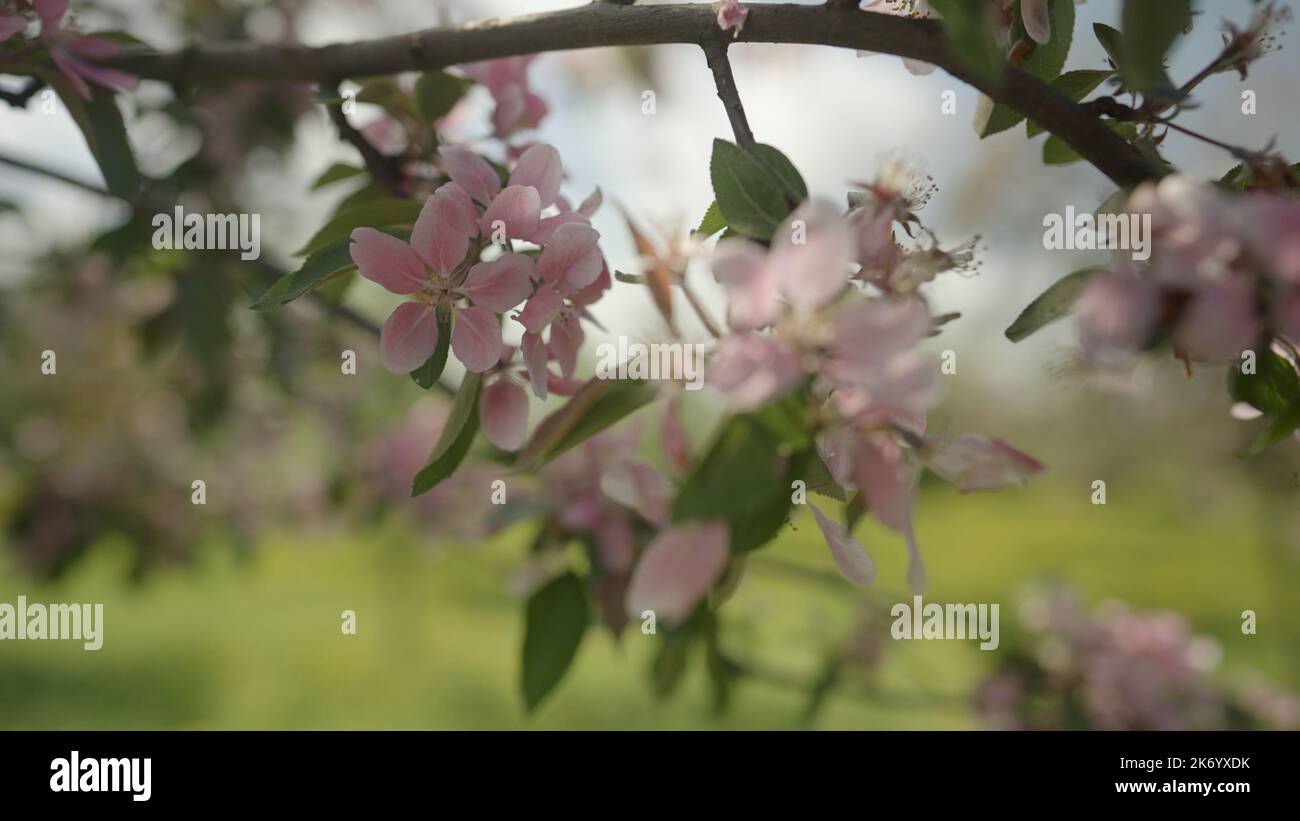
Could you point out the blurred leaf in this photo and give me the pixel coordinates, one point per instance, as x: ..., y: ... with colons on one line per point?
x: 1051, y: 304
x: 1277, y: 429
x: 1112, y: 40
x: 821, y: 688
x: 1076, y: 85
x: 101, y: 125
x: 388, y: 95
x: 337, y: 171
x: 750, y: 198
x: 1273, y: 389
x: 378, y: 214
x: 555, y: 621
x: 669, y: 667
x: 426, y: 376
x: 819, y: 480
x: 1149, y: 30
x: 970, y: 31
x: 321, y: 267
x: 457, y: 435
x: 597, y: 405
x: 437, y: 92
x: 711, y: 223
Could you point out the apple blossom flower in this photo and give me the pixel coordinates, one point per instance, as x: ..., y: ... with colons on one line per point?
x: 731, y: 15
x: 74, y: 54
x: 11, y: 24
x: 503, y: 405
x: 517, y: 107
x: 677, y: 569
x: 435, y: 267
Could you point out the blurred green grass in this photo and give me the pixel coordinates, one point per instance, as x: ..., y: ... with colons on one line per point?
x: 254, y: 640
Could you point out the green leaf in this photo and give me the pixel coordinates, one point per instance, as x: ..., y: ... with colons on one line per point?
x: 321, y: 267
x: 367, y: 215
x: 555, y: 621
x: 457, y: 435
x: 437, y: 92
x: 1273, y: 388
x: 712, y: 222
x: 750, y: 197
x: 780, y: 166
x: 1044, y: 61
x: 970, y: 31
x: 1112, y: 40
x: 819, y: 480
x: 1277, y: 429
x: 388, y: 95
x: 100, y: 122
x: 336, y: 172
x: 1051, y: 304
x: 1150, y: 29
x: 597, y: 405
x: 669, y: 665
x: 426, y: 376
x: 1076, y: 85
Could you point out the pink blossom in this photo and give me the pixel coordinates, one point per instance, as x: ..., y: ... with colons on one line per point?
x: 1117, y: 315
x: 974, y: 462
x: 434, y: 267
x: 517, y: 107
x: 1038, y: 24
x: 503, y: 411
x: 731, y: 15
x: 677, y: 569
x: 11, y: 24
x: 850, y: 556
x: 751, y: 369
x: 71, y: 52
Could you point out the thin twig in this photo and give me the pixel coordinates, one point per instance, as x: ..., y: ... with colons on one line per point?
x: 716, y: 53
x: 698, y: 307
x: 382, y: 168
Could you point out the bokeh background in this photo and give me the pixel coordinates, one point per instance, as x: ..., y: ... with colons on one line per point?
x: 227, y: 615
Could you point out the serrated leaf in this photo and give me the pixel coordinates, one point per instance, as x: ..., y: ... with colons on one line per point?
x: 377, y: 214
x: 1044, y: 61
x: 555, y: 621
x: 1112, y: 40
x: 780, y: 166
x: 1273, y: 388
x: 597, y: 405
x: 437, y: 92
x: 751, y: 199
x: 1051, y: 304
x: 457, y: 435
x: 711, y: 223
x: 427, y: 375
x: 970, y: 32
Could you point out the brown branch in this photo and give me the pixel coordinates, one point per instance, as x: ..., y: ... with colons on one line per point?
x: 19, y: 99
x: 382, y: 168
x: 716, y: 53
x: 607, y: 24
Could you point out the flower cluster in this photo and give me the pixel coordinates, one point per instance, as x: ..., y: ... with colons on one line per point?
x: 1119, y: 669
x: 800, y: 321
x: 463, y: 271
x: 1223, y: 277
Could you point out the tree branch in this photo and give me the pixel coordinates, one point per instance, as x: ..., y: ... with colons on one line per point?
x: 716, y: 53
x: 608, y: 24
x: 380, y: 167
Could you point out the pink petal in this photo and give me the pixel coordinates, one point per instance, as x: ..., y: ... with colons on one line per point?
x: 566, y: 339
x: 457, y: 208
x: 571, y: 258
x: 850, y: 556
x: 752, y: 370
x: 476, y: 339
x: 1118, y: 312
x: 540, y: 167
x: 1220, y: 322
x: 811, y: 250
x: 501, y: 284
x: 517, y: 209
x: 1038, y: 24
x: 11, y: 25
x: 540, y: 309
x: 752, y: 286
x: 50, y: 12
x: 109, y: 78
x: 435, y: 237
x: 593, y: 292
x: 387, y: 260
x: 885, y: 479
x: 974, y: 462
x: 673, y: 436
x: 547, y: 226
x: 731, y: 15
x: 503, y: 412
x: 677, y: 570
x: 591, y: 203
x: 535, y: 359
x: 68, y: 68
x: 471, y: 172
x: 409, y: 337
